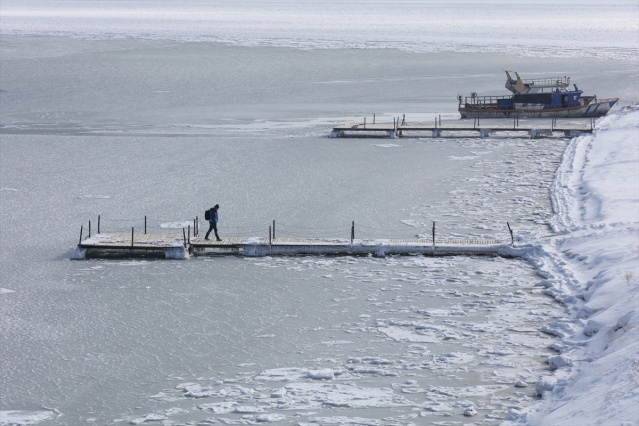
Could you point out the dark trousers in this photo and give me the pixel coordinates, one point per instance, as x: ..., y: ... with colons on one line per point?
x: 212, y: 227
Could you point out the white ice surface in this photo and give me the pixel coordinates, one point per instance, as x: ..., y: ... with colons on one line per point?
x: 24, y: 417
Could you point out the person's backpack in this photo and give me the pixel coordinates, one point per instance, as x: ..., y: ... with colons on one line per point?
x: 207, y: 215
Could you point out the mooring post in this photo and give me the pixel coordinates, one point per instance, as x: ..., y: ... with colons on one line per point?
x: 364, y: 122
x: 433, y: 234
x: 273, y: 228
x: 512, y: 237
x: 373, y: 118
x: 435, y: 122
x: 131, y: 236
x: 144, y: 224
x: 440, y: 120
x: 184, y: 236
x: 89, y: 229
x: 194, y: 227
x: 270, y: 241
x: 189, y: 233
x: 98, y: 224
x: 352, y: 232
x: 80, y: 242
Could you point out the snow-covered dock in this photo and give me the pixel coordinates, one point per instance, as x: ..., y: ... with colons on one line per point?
x: 395, y: 130
x: 171, y: 245
x: 375, y: 247
x: 175, y: 246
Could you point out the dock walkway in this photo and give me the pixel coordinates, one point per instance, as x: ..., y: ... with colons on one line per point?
x: 395, y: 130
x: 177, y: 246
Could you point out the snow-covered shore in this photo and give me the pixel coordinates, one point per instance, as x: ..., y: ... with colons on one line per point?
x: 591, y: 265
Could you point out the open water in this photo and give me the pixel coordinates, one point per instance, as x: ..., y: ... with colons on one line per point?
x: 127, y: 111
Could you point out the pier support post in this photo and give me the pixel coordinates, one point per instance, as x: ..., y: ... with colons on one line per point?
x: 433, y: 234
x: 537, y: 133
x: 352, y: 232
x: 392, y: 134
x: 512, y: 236
x: 572, y: 133
x: 484, y: 133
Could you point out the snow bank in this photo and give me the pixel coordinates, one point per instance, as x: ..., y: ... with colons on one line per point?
x: 592, y: 266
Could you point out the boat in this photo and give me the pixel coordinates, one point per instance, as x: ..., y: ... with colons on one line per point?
x: 536, y: 98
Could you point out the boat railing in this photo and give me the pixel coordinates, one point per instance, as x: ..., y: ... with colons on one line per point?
x: 547, y: 82
x: 484, y: 100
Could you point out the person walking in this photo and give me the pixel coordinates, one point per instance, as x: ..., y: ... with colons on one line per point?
x: 213, y: 222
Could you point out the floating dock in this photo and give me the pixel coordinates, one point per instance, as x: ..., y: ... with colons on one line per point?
x: 177, y: 246
x: 459, y: 128
x: 357, y: 247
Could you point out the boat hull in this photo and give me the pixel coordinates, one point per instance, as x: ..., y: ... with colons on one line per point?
x: 594, y: 109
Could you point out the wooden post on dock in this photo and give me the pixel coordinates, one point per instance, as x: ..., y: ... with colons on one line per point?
x: 189, y: 233
x: 352, y: 232
x: 184, y: 236
x: 89, y: 229
x: 433, y: 234
x: 512, y: 237
x: 373, y: 118
x: 273, y: 228
x: 270, y: 241
x: 364, y: 122
x: 80, y: 242
x: 98, y: 224
x: 144, y: 224
x: 131, y: 236
x: 195, y: 227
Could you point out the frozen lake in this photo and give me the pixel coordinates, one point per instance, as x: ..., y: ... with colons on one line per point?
x: 127, y: 127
